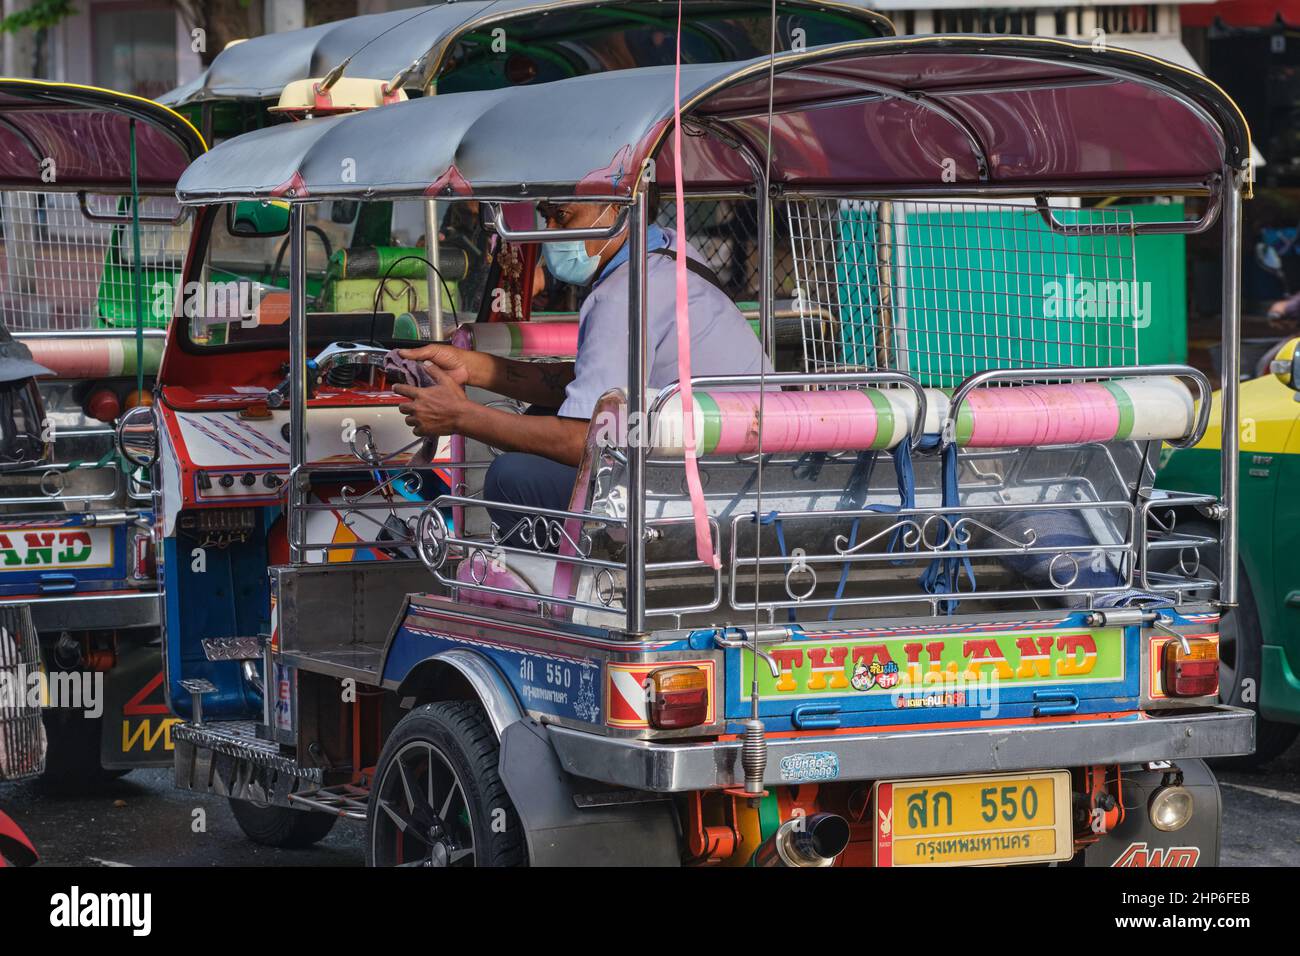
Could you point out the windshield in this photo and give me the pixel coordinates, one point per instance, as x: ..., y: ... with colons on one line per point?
x: 367, y: 277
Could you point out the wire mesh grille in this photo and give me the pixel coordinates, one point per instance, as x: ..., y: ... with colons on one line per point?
x: 944, y: 290
x: 22, y: 736
x: 60, y: 270
x: 725, y: 232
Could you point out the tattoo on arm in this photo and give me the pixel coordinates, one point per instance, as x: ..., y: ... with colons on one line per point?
x: 555, y: 377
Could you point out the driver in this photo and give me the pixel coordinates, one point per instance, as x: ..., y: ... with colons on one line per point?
x: 543, y: 447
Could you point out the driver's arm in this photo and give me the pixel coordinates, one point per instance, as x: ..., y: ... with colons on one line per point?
x: 444, y: 409
x: 560, y: 439
x: 536, y: 383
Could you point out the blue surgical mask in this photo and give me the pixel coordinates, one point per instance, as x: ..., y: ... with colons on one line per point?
x: 569, y: 261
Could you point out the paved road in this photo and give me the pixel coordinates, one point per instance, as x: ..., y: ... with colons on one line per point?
x: 141, y: 820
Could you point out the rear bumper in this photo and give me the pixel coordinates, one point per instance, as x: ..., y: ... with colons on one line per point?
x: 93, y: 612
x: 885, y: 754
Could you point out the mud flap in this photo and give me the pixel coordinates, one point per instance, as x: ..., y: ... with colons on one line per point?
x: 1135, y: 842
x: 570, y: 821
x: 136, y: 726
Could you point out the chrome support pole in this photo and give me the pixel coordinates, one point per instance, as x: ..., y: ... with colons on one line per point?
x: 1230, y: 459
x: 431, y: 249
x: 297, y: 524
x: 766, y: 215
x: 637, y: 348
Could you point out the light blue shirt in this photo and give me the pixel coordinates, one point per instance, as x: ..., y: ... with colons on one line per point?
x: 722, y: 342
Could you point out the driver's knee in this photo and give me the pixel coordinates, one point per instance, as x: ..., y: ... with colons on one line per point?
x: 527, y: 480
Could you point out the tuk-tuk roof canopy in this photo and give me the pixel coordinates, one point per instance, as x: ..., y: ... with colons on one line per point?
x: 940, y: 112
x: 553, y: 38
x: 62, y: 136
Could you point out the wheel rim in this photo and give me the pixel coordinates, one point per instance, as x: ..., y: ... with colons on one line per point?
x: 422, y: 816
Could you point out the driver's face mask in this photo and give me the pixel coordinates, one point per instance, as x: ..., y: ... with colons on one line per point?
x: 569, y: 261
x: 23, y: 441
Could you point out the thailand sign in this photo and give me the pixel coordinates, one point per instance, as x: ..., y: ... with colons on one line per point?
x: 919, y: 664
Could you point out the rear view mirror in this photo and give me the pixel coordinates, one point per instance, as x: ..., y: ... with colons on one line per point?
x: 1286, y: 365
x: 257, y: 218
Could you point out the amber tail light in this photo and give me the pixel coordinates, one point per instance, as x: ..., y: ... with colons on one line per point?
x: 677, y: 697
x: 1191, y: 670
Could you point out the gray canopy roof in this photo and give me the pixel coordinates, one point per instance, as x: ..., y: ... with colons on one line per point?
x: 561, y: 38
x: 936, y: 111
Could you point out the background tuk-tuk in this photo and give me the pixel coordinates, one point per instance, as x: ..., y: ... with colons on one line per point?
x: 93, y: 240
x: 485, y: 44
x: 920, y: 568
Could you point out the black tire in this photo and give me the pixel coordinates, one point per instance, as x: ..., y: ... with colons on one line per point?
x: 282, y: 827
x: 1241, y: 649
x: 438, y: 799
x: 72, y: 755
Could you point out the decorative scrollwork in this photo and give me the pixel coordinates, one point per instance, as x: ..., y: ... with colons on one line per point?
x: 941, y: 533
x: 606, y: 587
x: 799, y: 565
x: 1052, y: 571
x: 1190, y: 568
x: 431, y: 538
x: 543, y: 533
x: 52, y: 483
x: 911, y: 535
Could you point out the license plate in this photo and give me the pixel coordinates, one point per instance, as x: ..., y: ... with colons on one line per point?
x: 974, y: 821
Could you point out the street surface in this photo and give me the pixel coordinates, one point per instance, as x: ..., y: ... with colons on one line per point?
x: 141, y: 820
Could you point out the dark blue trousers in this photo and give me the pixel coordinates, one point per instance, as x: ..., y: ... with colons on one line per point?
x: 519, y: 479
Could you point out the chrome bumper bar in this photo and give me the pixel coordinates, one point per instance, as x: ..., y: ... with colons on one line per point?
x: 90, y: 611
x: 884, y: 754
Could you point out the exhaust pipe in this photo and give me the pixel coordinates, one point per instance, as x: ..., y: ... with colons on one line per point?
x: 814, y: 840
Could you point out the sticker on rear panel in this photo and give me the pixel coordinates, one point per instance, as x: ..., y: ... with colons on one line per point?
x: 810, y: 767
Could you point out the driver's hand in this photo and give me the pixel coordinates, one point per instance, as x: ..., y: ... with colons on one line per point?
x: 454, y: 362
x: 437, y: 410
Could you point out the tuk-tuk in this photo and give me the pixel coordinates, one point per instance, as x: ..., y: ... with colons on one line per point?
x: 912, y: 617
x: 93, y: 239
x: 1260, y: 643
x: 472, y: 45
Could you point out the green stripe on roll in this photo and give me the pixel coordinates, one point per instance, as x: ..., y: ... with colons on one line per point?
x: 516, y: 339
x: 1124, y: 402
x: 886, y: 420
x: 965, y: 424
x: 712, y: 432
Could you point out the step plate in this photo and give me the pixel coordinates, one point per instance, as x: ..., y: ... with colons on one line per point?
x: 228, y: 759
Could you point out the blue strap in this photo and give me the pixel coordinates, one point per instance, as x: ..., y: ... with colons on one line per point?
x: 853, y: 498
x: 772, y: 519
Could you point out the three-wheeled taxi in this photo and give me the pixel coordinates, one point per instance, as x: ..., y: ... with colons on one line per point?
x: 93, y: 243
x: 360, y: 251
x: 908, y: 616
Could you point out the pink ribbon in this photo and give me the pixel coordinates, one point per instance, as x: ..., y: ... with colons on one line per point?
x: 703, y: 540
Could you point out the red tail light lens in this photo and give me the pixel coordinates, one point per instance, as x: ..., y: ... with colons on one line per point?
x: 143, y: 566
x: 677, y: 697
x: 1191, y: 671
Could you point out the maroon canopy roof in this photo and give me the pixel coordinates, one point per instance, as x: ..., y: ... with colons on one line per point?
x: 60, y: 136
x: 943, y: 112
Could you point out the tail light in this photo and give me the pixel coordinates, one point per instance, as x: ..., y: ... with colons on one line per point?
x: 143, y: 566
x: 677, y: 697
x: 1191, y: 670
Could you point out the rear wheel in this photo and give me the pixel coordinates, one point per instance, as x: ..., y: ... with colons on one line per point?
x: 438, y: 799
x: 1241, y: 646
x: 282, y: 827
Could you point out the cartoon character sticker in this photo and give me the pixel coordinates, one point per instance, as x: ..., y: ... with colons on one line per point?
x: 865, y: 676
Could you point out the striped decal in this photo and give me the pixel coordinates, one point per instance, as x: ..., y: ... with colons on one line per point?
x: 851, y: 420
x: 520, y: 339
x: 95, y: 357
x: 627, y: 693
x: 1140, y: 409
